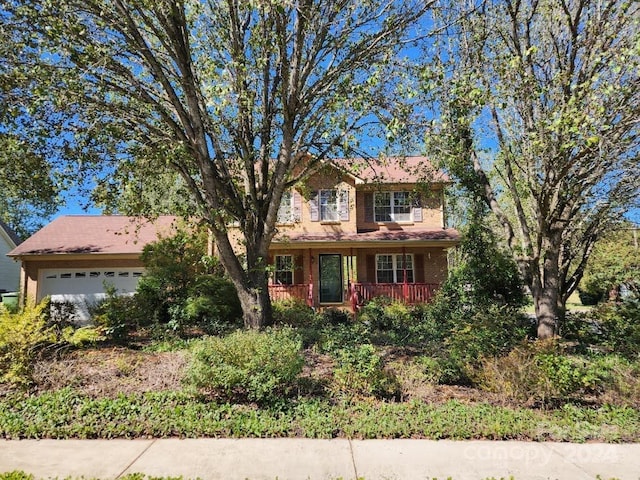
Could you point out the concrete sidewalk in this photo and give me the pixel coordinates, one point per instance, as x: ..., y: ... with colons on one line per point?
x: 320, y: 459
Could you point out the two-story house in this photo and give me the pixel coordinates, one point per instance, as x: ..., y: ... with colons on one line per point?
x: 348, y: 234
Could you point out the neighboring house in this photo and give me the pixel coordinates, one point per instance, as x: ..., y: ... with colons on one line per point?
x: 73, y: 257
x: 347, y: 237
x: 9, y: 269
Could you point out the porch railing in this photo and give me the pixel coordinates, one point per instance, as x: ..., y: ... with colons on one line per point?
x: 409, y: 293
x: 402, y: 292
x: 279, y: 292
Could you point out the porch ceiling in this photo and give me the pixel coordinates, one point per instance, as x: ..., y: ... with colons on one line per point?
x: 414, y: 237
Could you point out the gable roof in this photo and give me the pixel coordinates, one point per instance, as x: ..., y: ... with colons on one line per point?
x: 13, y: 236
x: 95, y: 234
x: 391, y: 170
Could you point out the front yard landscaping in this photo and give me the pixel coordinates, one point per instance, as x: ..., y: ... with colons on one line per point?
x: 393, y: 373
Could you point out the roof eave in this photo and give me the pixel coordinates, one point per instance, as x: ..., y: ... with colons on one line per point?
x: 302, y: 244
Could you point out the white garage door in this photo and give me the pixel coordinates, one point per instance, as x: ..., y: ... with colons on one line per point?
x: 86, y: 287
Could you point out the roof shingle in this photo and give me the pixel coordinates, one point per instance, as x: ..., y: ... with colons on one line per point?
x: 97, y: 234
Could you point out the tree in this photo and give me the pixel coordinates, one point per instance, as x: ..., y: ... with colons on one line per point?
x: 29, y: 184
x: 539, y: 103
x: 240, y: 98
x: 615, y: 261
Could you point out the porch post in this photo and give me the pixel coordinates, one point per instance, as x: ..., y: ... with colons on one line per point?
x: 405, y: 286
x: 352, y: 288
x: 310, y: 292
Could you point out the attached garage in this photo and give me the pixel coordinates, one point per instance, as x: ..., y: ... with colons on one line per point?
x: 74, y: 258
x: 85, y: 287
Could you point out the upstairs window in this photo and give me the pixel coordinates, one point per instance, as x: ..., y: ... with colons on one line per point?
x: 392, y: 207
x: 283, y: 274
x: 285, y: 212
x: 329, y: 205
x: 390, y: 268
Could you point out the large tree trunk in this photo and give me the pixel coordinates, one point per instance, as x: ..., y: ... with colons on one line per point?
x: 251, y: 280
x: 255, y: 302
x: 545, y: 288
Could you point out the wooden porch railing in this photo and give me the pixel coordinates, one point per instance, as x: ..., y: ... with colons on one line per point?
x: 284, y: 292
x: 411, y: 293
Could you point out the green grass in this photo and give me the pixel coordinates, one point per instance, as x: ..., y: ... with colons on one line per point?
x: 66, y: 414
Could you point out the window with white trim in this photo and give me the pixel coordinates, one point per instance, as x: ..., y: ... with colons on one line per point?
x: 283, y: 272
x: 390, y: 268
x: 285, y: 212
x: 392, y: 206
x: 329, y: 206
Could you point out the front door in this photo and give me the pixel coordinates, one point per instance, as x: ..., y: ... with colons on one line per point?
x: 330, y: 278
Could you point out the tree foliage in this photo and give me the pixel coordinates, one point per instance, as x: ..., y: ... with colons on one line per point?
x: 184, y: 287
x: 615, y: 261
x: 240, y: 98
x: 28, y: 188
x: 539, y: 104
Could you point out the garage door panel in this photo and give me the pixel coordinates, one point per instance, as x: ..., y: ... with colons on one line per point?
x: 86, y: 287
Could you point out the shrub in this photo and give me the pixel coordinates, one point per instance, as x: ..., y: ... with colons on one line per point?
x: 293, y: 312
x: 212, y: 304
x: 611, y: 326
x: 390, y: 321
x: 183, y: 287
x: 79, y: 337
x: 480, y: 334
x: 60, y: 315
x: 333, y: 338
x: 619, y: 323
x: 21, y: 336
x: 258, y: 366
x: 117, y: 315
x: 416, y: 375
x: 541, y: 372
x: 359, y: 372
x: 335, y: 316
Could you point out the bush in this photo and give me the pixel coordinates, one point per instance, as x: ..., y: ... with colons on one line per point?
x: 391, y: 322
x: 359, y: 372
x: 21, y: 336
x: 212, y: 304
x: 611, y: 326
x: 619, y: 323
x: 256, y: 366
x: 117, y: 315
x: 182, y: 287
x: 541, y: 372
x: 333, y: 338
x: 293, y: 312
x: 335, y: 316
x: 492, y: 332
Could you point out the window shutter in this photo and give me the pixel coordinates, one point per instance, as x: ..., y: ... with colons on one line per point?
x: 417, y: 209
x: 297, y: 207
x: 418, y: 273
x: 314, y: 211
x: 298, y: 270
x: 343, y: 196
x: 371, y: 268
x: 368, y: 207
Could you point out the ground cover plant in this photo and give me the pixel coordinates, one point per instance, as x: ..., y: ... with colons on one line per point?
x: 401, y: 374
